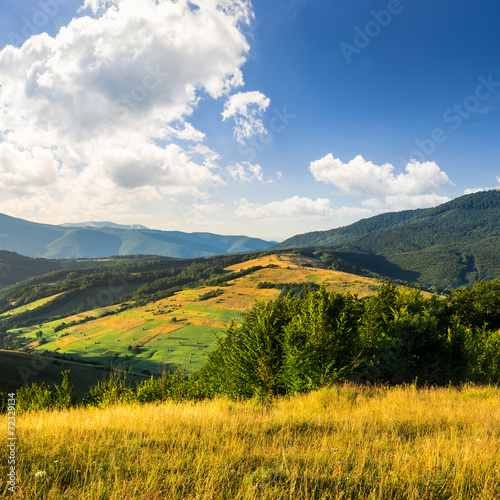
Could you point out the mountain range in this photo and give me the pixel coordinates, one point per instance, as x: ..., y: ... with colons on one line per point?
x: 104, y: 239
x: 453, y: 244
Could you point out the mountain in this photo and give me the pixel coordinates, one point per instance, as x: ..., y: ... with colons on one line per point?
x: 104, y: 239
x: 453, y: 244
x: 103, y: 224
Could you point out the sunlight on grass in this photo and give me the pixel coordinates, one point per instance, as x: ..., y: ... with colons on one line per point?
x: 339, y: 442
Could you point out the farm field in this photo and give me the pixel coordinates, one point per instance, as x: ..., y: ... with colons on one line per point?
x: 29, y: 307
x: 181, y: 330
x: 341, y: 442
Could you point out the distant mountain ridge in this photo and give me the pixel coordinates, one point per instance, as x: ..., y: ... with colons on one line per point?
x: 453, y: 244
x: 104, y: 239
x: 103, y: 224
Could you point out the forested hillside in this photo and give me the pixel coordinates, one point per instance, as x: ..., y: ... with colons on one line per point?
x: 454, y: 244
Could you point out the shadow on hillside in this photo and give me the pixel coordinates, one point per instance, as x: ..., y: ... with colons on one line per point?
x: 378, y: 264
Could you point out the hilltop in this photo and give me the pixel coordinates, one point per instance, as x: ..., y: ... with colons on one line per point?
x: 160, y: 318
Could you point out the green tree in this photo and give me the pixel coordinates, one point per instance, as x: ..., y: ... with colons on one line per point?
x: 321, y: 340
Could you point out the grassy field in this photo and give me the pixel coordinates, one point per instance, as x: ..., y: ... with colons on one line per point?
x: 180, y: 330
x: 343, y: 442
x: 29, y: 307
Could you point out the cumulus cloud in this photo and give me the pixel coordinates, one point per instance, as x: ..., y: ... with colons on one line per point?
x: 208, y: 208
x: 474, y: 190
x: 295, y: 207
x: 478, y: 190
x: 22, y: 171
x: 403, y: 202
x: 246, y: 172
x: 364, y: 177
x: 246, y: 109
x: 416, y: 187
x: 112, y: 94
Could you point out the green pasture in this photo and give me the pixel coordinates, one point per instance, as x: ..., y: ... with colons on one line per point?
x: 213, y: 313
x: 93, y: 298
x: 29, y: 307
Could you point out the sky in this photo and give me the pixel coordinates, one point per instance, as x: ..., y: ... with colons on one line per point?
x: 263, y: 118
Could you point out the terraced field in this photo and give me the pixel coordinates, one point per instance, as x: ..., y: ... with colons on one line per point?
x: 182, y: 329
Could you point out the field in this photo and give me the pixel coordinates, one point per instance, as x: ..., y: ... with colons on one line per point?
x: 342, y: 442
x: 28, y: 307
x: 181, y: 330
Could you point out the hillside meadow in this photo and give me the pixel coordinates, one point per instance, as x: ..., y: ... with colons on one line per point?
x: 178, y: 330
x: 340, y: 442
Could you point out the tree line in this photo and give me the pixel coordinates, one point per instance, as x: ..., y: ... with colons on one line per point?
x: 399, y: 335
x: 298, y: 343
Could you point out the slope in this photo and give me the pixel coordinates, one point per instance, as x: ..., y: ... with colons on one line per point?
x: 450, y: 245
x: 178, y: 329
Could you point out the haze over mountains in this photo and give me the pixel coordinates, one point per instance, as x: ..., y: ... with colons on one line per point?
x: 104, y: 239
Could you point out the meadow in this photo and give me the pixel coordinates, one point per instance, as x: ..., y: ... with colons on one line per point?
x: 179, y: 330
x: 340, y: 442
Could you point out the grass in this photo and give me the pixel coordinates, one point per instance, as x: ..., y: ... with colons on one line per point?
x: 30, y: 306
x: 343, y: 442
x: 104, y: 338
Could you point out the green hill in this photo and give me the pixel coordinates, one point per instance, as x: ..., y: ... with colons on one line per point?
x: 456, y: 243
x: 144, y: 314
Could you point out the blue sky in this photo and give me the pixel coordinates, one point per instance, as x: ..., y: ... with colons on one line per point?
x: 267, y: 119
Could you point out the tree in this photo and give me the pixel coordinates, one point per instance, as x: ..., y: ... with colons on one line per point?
x: 321, y: 340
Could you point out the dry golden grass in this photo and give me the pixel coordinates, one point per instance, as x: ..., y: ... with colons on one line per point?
x: 343, y: 442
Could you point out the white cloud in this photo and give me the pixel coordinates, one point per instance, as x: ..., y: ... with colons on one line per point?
x: 296, y: 207
x: 417, y: 187
x: 246, y: 108
x: 404, y: 202
x: 246, y: 172
x: 208, y: 208
x: 364, y: 177
x: 474, y: 190
x: 110, y: 95
x: 373, y: 203
x: 22, y: 171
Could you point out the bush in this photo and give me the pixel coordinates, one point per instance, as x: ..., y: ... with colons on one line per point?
x: 40, y: 397
x: 108, y: 392
x: 210, y: 294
